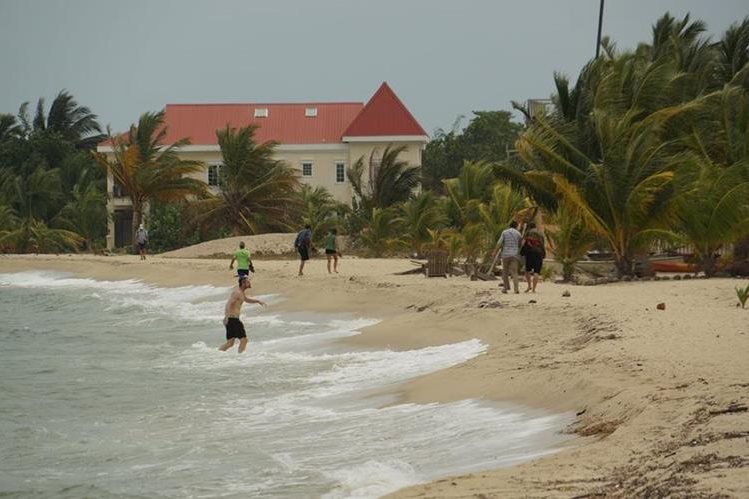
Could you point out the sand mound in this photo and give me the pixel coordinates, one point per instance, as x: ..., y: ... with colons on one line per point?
x: 259, y: 245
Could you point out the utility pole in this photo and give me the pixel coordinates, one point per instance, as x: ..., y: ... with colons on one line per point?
x: 600, y: 25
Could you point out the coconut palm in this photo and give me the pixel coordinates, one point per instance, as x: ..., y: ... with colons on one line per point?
x: 320, y: 210
x: 34, y: 235
x: 9, y: 127
x: 389, y: 180
x: 85, y: 214
x: 257, y: 192
x: 467, y: 191
x: 377, y: 236
x: 147, y: 169
x: 417, y: 216
x: 623, y: 187
x: 733, y: 52
x: 570, y: 239
x: 76, y: 124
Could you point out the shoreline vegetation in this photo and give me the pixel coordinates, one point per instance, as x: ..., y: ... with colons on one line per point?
x: 659, y: 396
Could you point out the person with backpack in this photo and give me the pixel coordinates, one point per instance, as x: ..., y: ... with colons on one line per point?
x: 534, y: 251
x: 303, y: 245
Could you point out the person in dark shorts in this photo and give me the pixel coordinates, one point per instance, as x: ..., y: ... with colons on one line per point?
x: 303, y: 245
x: 234, y: 327
x: 535, y: 252
x: 331, y: 250
x: 141, y: 239
x: 244, y: 262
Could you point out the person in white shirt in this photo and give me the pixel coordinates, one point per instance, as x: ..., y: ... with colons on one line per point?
x: 509, y: 244
x: 141, y: 238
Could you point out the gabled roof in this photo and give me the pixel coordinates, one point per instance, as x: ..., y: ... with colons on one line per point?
x: 384, y: 114
x: 285, y: 123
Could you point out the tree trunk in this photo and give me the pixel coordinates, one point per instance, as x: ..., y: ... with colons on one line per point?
x: 623, y: 265
x: 137, y: 218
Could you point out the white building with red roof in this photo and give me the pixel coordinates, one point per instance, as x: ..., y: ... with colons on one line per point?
x: 319, y: 139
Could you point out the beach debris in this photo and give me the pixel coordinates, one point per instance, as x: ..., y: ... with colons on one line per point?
x: 490, y: 304
x: 580, y: 413
x: 661, y: 306
x: 687, y: 277
x: 732, y: 408
x: 532, y: 301
x: 677, y: 277
x: 566, y: 293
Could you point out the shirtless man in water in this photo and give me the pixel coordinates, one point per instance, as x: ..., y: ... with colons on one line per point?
x: 234, y: 326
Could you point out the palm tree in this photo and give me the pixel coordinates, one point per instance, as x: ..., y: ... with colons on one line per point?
x: 714, y: 180
x: 85, y: 214
x: 147, y: 169
x: 320, y: 210
x: 34, y: 235
x: 257, y: 192
x: 74, y: 123
x: 733, y: 52
x: 570, y: 239
x: 467, y: 191
x: 623, y: 187
x: 389, y: 181
x: 9, y: 127
x: 377, y: 235
x: 417, y: 216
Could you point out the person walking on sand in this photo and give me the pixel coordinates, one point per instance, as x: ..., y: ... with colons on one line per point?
x: 234, y: 327
x: 331, y: 251
x: 534, y: 252
x: 509, y: 244
x: 303, y: 245
x: 141, y: 239
x: 244, y: 262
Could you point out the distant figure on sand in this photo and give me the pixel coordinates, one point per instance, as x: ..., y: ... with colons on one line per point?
x: 509, y: 244
x: 141, y: 239
x: 534, y: 252
x: 244, y: 263
x: 303, y: 245
x: 234, y: 326
x: 331, y: 251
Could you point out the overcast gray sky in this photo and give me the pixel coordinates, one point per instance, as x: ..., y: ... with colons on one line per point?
x: 444, y: 59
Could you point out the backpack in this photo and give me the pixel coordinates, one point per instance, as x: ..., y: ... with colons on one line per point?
x: 298, y: 240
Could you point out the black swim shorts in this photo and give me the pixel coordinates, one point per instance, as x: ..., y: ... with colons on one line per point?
x: 533, y: 262
x: 303, y: 252
x: 330, y: 252
x: 241, y: 272
x: 235, y: 329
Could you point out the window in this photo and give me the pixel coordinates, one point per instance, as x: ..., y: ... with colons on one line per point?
x: 306, y: 169
x: 261, y: 112
x: 340, y: 173
x: 117, y: 190
x: 310, y: 112
x: 213, y: 172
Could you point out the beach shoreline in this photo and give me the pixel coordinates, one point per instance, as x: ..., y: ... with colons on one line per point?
x: 652, y: 389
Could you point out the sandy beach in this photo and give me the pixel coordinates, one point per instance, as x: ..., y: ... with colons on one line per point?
x: 660, y: 396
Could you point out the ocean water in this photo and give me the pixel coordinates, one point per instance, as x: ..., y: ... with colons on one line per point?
x: 117, y: 389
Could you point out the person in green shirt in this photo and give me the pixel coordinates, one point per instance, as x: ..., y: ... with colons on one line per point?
x: 242, y: 257
x: 331, y: 250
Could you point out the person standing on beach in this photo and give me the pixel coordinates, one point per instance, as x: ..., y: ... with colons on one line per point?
x: 244, y: 263
x: 509, y: 245
x: 234, y: 327
x: 330, y: 250
x: 303, y: 245
x: 141, y: 239
x: 535, y: 252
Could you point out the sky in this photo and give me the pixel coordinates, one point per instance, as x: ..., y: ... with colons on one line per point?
x: 444, y: 59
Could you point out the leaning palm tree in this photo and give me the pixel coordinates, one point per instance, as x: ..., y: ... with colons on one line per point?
x: 623, y: 188
x: 147, y: 169
x: 9, y: 127
x: 389, y: 180
x: 257, y: 193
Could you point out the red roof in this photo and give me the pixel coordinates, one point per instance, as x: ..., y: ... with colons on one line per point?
x: 384, y: 114
x: 285, y: 123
